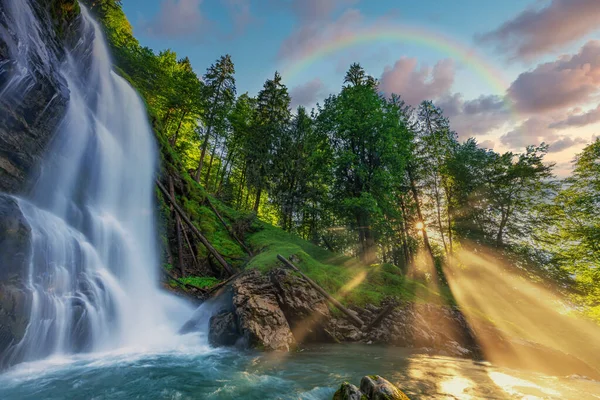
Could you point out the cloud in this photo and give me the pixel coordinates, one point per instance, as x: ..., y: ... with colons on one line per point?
x: 307, y: 94
x: 537, y: 31
x: 317, y: 10
x: 566, y: 82
x: 532, y: 131
x: 565, y: 143
x: 416, y: 84
x: 578, y: 120
x: 177, y: 19
x: 475, y: 117
x: 487, y: 144
x: 311, y: 35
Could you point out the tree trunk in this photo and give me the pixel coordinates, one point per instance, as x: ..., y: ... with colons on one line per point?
x: 203, y: 154
x: 173, y: 140
x: 178, y: 232
x: 210, y: 164
x: 195, y: 230
x: 257, y: 201
x: 415, y: 193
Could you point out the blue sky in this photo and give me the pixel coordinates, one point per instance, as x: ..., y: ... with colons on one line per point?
x: 544, y: 51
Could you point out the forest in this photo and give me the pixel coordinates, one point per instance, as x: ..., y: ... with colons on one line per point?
x: 365, y: 174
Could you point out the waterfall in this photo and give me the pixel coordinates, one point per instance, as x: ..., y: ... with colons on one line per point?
x: 93, y: 266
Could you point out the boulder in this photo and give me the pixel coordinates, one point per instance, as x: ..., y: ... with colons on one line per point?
x: 377, y: 388
x: 441, y: 329
x: 348, y: 392
x: 261, y: 321
x: 223, y: 329
x: 305, y: 309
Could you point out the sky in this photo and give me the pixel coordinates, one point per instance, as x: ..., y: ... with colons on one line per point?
x: 510, y: 73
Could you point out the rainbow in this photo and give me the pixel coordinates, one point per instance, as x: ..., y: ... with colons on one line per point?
x: 414, y: 35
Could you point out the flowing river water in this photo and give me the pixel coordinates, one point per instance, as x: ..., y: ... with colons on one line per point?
x: 198, y: 372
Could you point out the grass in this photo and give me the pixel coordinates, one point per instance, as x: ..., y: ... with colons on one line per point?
x: 344, y: 277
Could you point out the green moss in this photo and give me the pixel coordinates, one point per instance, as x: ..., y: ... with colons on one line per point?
x: 63, y: 12
x: 344, y: 277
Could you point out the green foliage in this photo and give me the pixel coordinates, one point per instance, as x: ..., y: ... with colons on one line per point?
x: 200, y: 281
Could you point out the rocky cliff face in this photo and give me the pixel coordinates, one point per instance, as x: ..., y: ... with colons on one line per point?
x: 33, y: 94
x: 34, y: 36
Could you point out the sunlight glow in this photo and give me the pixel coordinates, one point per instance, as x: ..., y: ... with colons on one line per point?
x: 523, y: 313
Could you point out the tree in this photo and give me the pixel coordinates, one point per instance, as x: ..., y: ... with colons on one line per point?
x: 270, y: 122
x: 436, y: 143
x: 219, y: 96
x: 366, y: 149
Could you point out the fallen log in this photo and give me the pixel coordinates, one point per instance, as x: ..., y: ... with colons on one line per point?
x: 355, y: 320
x: 229, y: 230
x: 195, y: 230
x: 220, y: 285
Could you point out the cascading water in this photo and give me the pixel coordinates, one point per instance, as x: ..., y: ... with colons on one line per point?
x: 93, y: 266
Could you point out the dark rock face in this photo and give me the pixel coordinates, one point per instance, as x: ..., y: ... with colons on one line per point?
x: 33, y: 94
x: 305, y: 309
x: 15, y: 236
x: 14, y: 240
x: 441, y: 329
x: 223, y: 329
x: 260, y: 319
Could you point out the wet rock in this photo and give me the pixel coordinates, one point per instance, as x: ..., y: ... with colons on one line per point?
x: 377, y: 388
x: 14, y: 306
x: 223, y: 329
x: 348, y: 392
x: 344, y: 331
x: 441, y: 329
x: 34, y: 96
x: 305, y: 309
x: 15, y: 236
x: 260, y: 319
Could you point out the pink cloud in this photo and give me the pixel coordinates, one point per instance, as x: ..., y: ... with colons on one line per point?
x: 565, y: 143
x: 537, y: 31
x: 415, y: 83
x: 578, y: 120
x: 475, y: 117
x: 564, y: 83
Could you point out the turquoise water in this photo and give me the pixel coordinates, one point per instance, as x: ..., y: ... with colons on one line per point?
x: 314, y: 373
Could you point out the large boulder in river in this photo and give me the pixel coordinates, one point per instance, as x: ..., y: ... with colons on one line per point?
x: 377, y: 388
x: 348, y: 392
x: 372, y: 387
x: 260, y: 319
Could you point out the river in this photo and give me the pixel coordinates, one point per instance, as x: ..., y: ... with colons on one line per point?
x: 195, y: 371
